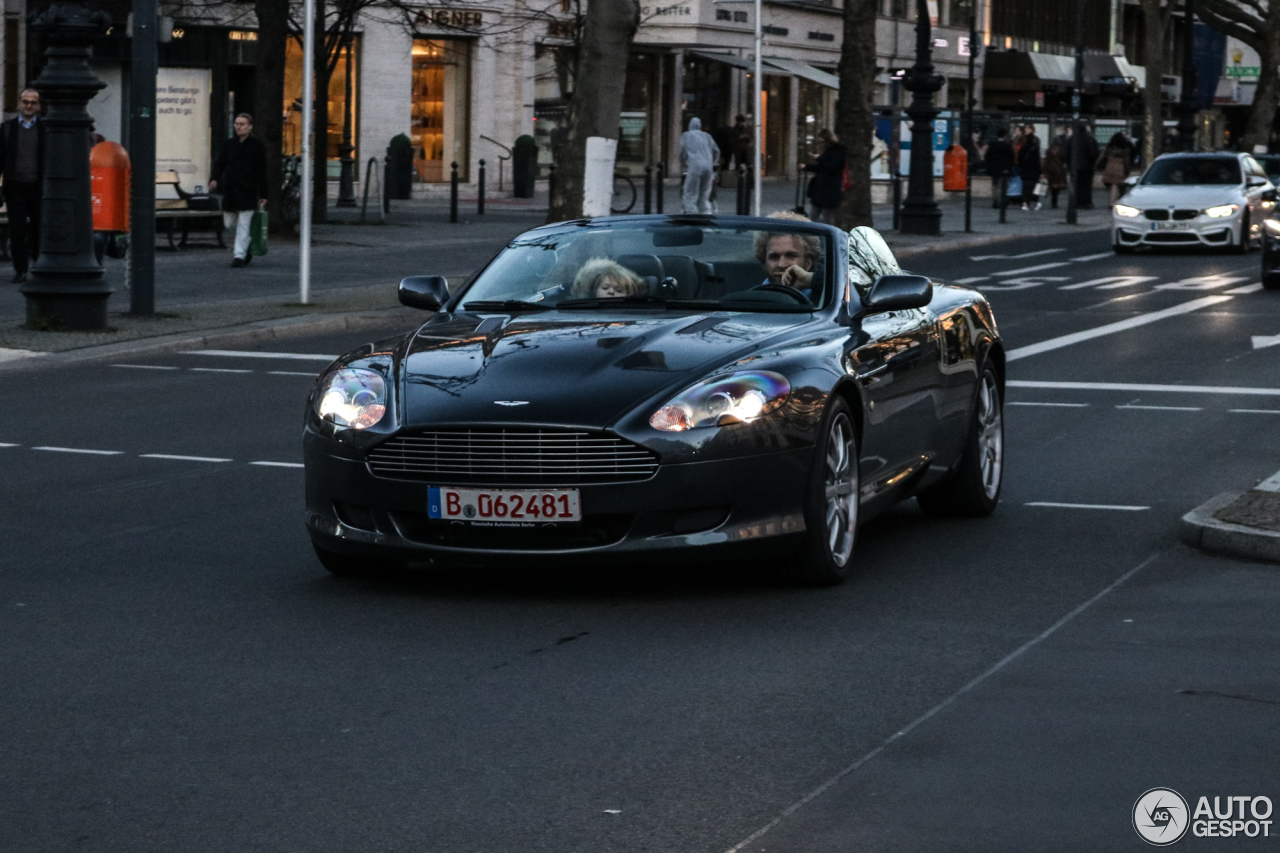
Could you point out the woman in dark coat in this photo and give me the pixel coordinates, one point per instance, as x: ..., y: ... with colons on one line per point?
x: 827, y: 186
x: 1055, y: 171
x: 240, y: 172
x: 1029, y: 167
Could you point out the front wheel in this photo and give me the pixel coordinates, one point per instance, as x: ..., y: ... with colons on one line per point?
x: 831, y: 505
x: 973, y: 489
x: 1246, y: 238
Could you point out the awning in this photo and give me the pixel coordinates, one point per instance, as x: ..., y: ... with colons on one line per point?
x: 808, y: 72
x: 1051, y: 68
x: 726, y: 58
x: 1137, y: 72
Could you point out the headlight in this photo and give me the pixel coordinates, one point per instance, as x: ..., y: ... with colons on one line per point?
x: 1126, y: 210
x: 1273, y: 225
x: 1221, y: 210
x: 733, y: 399
x: 352, y: 397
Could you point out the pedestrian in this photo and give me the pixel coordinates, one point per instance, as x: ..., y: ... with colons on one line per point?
x: 1055, y: 172
x: 741, y: 142
x: 698, y: 156
x: 1115, y: 161
x: 827, y: 186
x: 999, y: 162
x: 1086, y: 166
x: 241, y: 173
x: 1029, y: 167
x: 22, y: 166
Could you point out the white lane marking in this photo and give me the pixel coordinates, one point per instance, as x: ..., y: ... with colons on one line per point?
x: 1024, y: 282
x: 1271, y: 484
x: 1255, y: 411
x: 940, y: 707
x: 3, y: 444
x: 80, y: 450
x: 1036, y: 268
x: 1111, y: 282
x: 146, y: 366
x: 7, y: 354
x: 290, y: 373
x: 230, y: 353
x: 278, y: 464
x: 219, y: 370
x: 1057, y: 505
x: 181, y: 458
x: 1203, y: 282
x: 1015, y: 257
x: 1112, y: 328
x: 1133, y: 386
x: 1163, y: 408
x: 1059, y: 405
x: 1096, y: 257
x: 973, y: 279
x: 1248, y: 288
x: 1261, y: 341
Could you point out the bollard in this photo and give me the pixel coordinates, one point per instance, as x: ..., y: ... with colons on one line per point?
x: 1003, y: 186
x: 551, y: 183
x: 742, y: 187
x: 662, y: 179
x: 453, y: 193
x: 386, y: 182
x: 480, y: 199
x: 648, y: 189
x: 897, y: 202
x: 749, y: 191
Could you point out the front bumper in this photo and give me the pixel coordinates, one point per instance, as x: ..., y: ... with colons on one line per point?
x: 1200, y: 231
x: 705, y: 505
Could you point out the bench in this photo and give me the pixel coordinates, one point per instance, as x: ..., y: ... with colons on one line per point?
x: 173, y: 207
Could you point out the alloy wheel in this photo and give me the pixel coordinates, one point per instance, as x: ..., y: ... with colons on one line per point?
x: 841, y: 490
x: 990, y: 435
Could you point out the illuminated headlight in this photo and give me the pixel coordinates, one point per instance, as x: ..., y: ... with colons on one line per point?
x: 352, y: 397
x: 734, y: 399
x: 1273, y: 226
x: 1221, y: 210
x: 1126, y: 210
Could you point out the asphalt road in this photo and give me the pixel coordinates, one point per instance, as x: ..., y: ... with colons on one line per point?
x: 180, y: 674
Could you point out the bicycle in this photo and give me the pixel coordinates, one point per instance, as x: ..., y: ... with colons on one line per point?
x: 624, y: 194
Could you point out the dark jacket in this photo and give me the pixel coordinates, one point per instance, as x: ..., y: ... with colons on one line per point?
x: 9, y: 146
x: 999, y: 158
x: 1029, y: 159
x: 241, y: 173
x: 827, y: 186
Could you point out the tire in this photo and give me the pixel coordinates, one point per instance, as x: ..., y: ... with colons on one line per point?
x: 347, y: 566
x: 1246, y: 241
x: 1271, y: 281
x: 831, y: 502
x: 973, y: 489
x: 624, y: 195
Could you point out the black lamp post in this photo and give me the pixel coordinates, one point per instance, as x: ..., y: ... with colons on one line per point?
x: 1187, y: 106
x: 346, y: 153
x: 67, y: 290
x: 920, y: 212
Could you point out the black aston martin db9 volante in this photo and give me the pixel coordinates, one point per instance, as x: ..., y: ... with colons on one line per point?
x: 646, y: 384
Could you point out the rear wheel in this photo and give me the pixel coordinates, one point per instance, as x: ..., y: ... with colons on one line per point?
x: 973, y: 489
x: 831, y: 505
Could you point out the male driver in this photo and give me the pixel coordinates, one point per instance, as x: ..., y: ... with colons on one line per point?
x: 241, y: 172
x: 788, y: 259
x: 22, y: 163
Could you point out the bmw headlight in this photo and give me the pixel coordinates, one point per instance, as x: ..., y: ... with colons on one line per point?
x: 1126, y: 210
x: 1273, y: 226
x: 352, y: 397
x: 1221, y: 210
x: 733, y: 399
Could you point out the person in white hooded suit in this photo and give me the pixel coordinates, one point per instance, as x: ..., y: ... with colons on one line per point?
x: 698, y: 156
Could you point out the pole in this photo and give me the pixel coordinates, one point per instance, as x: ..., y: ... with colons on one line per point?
x: 308, y: 131
x: 346, y: 182
x: 1187, y: 103
x: 759, y: 108
x: 648, y: 189
x: 1073, y: 191
x: 970, y: 102
x: 480, y: 188
x: 920, y: 212
x: 142, y: 160
x: 453, y: 191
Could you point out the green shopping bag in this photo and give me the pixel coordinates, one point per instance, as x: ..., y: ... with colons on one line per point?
x: 258, y: 233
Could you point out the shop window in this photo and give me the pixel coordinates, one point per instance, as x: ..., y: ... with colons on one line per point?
x: 958, y: 12
x: 292, y: 142
x: 638, y: 104
x: 777, y: 102
x: 11, y: 65
x: 816, y: 112
x: 440, y: 112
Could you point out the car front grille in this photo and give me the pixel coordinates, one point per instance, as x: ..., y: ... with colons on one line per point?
x: 1157, y: 214
x: 1185, y: 214
x: 512, y: 457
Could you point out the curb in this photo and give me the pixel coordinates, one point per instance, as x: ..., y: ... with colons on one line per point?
x: 1201, y: 530
x: 987, y: 240
x: 227, y: 336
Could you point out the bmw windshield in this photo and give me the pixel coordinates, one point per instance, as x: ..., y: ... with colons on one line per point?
x: 666, y: 265
x: 1198, y: 171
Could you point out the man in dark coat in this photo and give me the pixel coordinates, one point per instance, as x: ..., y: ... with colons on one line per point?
x: 240, y: 172
x: 1087, y: 165
x: 1029, y: 167
x: 827, y: 186
x: 22, y: 162
x: 999, y: 162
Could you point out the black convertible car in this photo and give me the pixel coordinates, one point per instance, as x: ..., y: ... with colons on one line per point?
x: 645, y: 384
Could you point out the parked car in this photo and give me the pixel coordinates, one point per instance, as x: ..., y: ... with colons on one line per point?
x: 1218, y: 199
x: 743, y: 383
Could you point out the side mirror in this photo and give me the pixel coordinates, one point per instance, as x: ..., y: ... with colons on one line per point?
x: 427, y: 292
x: 898, y: 293
x: 1255, y: 181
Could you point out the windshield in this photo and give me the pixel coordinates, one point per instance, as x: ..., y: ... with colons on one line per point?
x: 666, y: 264
x: 1193, y: 170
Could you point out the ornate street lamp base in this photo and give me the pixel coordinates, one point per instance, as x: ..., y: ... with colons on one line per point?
x: 66, y: 307
x: 925, y: 219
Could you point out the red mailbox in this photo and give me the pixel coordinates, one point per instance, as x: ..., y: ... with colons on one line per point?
x: 955, y: 169
x: 109, y: 184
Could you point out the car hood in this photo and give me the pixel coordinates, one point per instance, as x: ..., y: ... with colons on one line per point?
x: 1196, y: 197
x: 568, y: 369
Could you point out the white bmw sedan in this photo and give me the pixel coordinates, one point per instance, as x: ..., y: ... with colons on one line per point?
x: 1218, y: 199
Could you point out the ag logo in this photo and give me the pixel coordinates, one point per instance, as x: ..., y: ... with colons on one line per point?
x: 1160, y: 816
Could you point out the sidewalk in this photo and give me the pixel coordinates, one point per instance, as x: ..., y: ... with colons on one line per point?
x: 355, y: 267
x: 1238, y: 524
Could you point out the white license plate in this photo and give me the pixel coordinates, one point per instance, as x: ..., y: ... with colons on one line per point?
x: 504, y: 507
x: 1170, y: 226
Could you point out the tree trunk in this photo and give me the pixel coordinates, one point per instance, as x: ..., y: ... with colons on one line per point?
x: 273, y: 33
x: 320, y: 143
x: 855, y: 122
x: 607, y: 34
x: 1153, y: 46
x: 1263, y: 111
